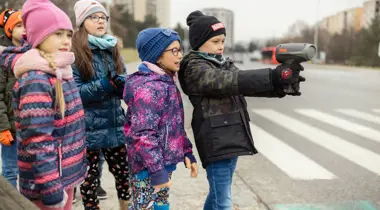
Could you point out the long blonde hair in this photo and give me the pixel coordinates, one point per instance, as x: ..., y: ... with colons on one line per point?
x: 59, y: 96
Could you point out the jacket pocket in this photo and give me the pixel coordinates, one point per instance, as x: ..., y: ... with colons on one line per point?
x: 228, y: 134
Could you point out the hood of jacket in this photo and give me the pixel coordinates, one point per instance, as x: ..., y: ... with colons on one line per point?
x: 217, y: 59
x: 196, y: 56
x: 146, y: 73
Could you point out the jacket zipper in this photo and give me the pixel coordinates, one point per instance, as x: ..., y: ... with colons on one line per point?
x: 60, y: 158
x: 60, y: 151
x: 104, y: 56
x: 166, y: 136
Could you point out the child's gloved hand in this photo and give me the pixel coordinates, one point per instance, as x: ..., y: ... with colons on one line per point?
x: 192, y: 166
x: 157, y: 188
x: 118, y: 81
x: 6, y: 138
x: 286, y: 79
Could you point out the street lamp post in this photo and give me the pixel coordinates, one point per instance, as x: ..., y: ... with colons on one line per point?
x: 316, y: 27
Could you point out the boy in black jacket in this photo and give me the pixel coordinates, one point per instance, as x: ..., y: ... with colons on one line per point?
x: 216, y: 89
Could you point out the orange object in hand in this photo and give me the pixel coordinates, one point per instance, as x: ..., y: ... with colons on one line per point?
x: 6, y: 138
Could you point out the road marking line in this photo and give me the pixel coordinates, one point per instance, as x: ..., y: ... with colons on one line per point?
x: 376, y: 110
x: 360, y: 115
x: 346, y: 125
x: 361, y: 156
x: 290, y: 161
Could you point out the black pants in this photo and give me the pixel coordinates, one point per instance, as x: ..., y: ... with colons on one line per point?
x: 117, y: 161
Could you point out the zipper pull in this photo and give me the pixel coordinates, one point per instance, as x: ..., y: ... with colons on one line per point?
x: 60, y: 159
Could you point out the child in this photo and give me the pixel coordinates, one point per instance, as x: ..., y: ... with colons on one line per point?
x: 49, y: 113
x: 11, y: 22
x: 216, y: 88
x: 99, y: 73
x: 102, y: 194
x: 154, y: 128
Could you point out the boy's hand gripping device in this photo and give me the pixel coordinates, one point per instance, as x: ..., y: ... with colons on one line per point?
x: 294, y: 54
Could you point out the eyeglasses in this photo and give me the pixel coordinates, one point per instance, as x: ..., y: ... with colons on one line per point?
x: 175, y: 51
x: 96, y: 19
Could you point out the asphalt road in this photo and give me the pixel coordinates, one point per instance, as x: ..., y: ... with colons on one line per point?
x: 320, y: 150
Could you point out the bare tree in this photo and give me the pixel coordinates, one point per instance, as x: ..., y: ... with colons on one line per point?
x: 67, y: 6
x: 297, y: 28
x: 16, y: 4
x: 117, y: 17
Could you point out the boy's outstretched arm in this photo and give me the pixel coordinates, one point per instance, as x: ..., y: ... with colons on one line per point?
x: 202, y: 78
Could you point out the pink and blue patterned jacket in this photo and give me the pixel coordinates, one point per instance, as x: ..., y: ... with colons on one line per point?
x: 51, y: 149
x: 154, y: 128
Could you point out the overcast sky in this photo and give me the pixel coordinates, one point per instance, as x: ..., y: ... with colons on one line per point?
x: 263, y: 18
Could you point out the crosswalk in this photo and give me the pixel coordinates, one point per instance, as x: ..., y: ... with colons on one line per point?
x: 363, y: 126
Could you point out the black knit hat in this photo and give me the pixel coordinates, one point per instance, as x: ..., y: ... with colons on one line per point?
x: 203, y: 28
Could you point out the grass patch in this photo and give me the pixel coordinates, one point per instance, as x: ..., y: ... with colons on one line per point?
x: 130, y: 55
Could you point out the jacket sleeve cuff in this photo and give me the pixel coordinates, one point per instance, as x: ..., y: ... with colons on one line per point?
x: 106, y: 84
x: 159, y: 177
x: 252, y: 82
x: 191, y: 156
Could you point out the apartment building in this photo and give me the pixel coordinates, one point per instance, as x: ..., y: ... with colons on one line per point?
x: 350, y: 19
x: 371, y: 9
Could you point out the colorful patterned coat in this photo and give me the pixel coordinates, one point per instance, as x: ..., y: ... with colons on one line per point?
x: 51, y: 149
x: 154, y: 126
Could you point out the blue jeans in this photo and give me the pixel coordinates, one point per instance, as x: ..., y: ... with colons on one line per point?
x: 9, y: 169
x: 219, y: 175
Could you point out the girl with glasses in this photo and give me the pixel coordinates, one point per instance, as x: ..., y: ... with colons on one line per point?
x: 100, y: 75
x: 154, y: 127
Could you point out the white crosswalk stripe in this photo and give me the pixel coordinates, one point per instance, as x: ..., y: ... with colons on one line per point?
x: 356, y: 154
x: 346, y: 125
x: 376, y: 110
x: 360, y: 115
x: 290, y: 161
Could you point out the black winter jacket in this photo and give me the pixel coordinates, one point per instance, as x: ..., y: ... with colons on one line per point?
x: 220, y: 118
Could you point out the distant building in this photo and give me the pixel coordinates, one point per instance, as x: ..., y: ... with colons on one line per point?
x: 370, y: 11
x: 356, y: 18
x: 141, y: 8
x: 227, y: 17
x: 350, y: 19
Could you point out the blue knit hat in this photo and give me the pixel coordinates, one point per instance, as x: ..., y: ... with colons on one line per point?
x: 152, y: 42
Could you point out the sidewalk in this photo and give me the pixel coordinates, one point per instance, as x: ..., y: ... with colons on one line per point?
x: 187, y: 193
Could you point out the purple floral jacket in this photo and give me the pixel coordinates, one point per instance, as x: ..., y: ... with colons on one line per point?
x: 154, y: 128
